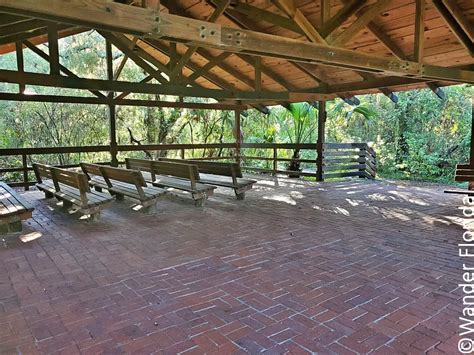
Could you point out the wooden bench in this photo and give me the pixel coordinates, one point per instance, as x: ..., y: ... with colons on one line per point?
x: 13, y: 210
x: 123, y: 182
x: 44, y: 179
x: 180, y: 176
x: 73, y: 189
x: 221, y: 174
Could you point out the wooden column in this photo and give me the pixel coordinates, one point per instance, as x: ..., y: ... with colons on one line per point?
x: 53, y: 45
x: 20, y: 63
x: 238, y: 135
x: 321, y: 133
x: 112, y: 110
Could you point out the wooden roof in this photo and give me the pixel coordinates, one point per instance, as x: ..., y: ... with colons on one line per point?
x: 436, y: 33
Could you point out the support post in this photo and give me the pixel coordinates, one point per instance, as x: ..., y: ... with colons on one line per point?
x: 112, y: 110
x: 54, y: 68
x: 320, y: 144
x: 238, y: 135
x: 20, y: 63
x: 25, y: 172
x: 275, y: 161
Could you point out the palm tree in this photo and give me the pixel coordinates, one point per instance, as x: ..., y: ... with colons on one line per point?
x: 298, y: 122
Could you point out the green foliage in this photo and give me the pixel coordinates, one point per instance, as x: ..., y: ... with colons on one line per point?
x: 421, y: 137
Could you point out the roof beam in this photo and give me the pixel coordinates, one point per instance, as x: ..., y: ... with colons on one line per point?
x: 437, y: 90
x: 361, y: 22
x: 57, y: 81
x: 289, y: 7
x: 218, y: 11
x: 325, y: 11
x: 458, y: 15
x: 118, y: 102
x: 126, y: 46
x: 341, y: 16
x: 65, y: 70
x: 419, y: 42
x: 454, y: 26
x: 151, y: 24
x: 257, y: 14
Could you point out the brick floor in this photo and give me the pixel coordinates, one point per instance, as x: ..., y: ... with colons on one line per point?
x: 350, y: 267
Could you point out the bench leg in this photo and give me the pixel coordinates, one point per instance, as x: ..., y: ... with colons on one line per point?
x: 48, y: 194
x: 119, y: 197
x: 200, y: 202
x: 240, y: 195
x: 94, y: 217
x: 67, y: 204
x: 98, y: 188
x: 15, y: 227
x: 149, y: 209
x: 12, y: 227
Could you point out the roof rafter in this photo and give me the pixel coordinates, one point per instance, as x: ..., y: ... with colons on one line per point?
x: 458, y: 15
x: 454, y: 26
x: 289, y: 7
x: 361, y: 22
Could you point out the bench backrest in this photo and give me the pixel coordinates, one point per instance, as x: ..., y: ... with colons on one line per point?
x: 90, y: 169
x: 42, y: 171
x: 73, y: 179
x: 141, y: 165
x: 209, y: 167
x: 181, y: 170
x: 124, y: 175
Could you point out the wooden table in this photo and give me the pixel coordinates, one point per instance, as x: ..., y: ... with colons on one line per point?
x: 13, y: 209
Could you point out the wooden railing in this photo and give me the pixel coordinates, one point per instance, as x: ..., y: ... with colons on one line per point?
x: 339, y: 160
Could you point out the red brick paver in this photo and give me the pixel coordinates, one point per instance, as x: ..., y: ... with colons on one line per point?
x: 296, y: 268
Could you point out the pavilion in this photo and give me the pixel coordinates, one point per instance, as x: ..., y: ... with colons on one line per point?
x: 347, y: 267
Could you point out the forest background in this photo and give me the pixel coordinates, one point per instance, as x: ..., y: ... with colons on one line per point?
x: 420, y: 138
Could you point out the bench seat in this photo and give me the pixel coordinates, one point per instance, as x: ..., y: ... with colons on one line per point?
x: 47, y: 186
x: 173, y: 175
x: 123, y: 182
x: 73, y: 195
x: 72, y: 189
x: 13, y: 209
x: 227, y: 175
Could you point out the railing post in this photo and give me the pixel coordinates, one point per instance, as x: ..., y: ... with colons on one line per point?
x: 182, y: 154
x: 275, y: 161
x: 25, y: 172
x: 238, y: 135
x: 320, y: 143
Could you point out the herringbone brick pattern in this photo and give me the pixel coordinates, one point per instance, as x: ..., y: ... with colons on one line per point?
x: 296, y: 268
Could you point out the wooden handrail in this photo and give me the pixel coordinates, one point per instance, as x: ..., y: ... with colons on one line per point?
x: 342, y: 159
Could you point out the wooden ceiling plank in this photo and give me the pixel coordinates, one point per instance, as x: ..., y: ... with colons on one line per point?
x: 289, y: 7
x: 453, y: 25
x: 361, y: 22
x: 386, y: 41
x: 458, y: 15
x: 257, y: 14
x: 419, y: 43
x: 177, y: 28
